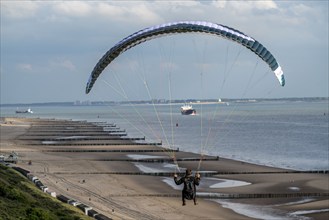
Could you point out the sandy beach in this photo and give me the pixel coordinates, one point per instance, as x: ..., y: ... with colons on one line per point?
x: 125, y: 180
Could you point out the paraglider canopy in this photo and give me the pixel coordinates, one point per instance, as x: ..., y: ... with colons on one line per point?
x: 183, y: 27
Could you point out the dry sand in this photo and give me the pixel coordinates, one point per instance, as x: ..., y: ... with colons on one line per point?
x: 106, y: 182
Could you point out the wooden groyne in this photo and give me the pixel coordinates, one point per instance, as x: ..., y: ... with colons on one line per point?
x: 66, y: 134
x: 170, y: 174
x: 76, y: 131
x: 111, y: 150
x: 80, y: 133
x: 233, y: 195
x: 83, y: 138
x: 117, y: 143
x: 73, y: 125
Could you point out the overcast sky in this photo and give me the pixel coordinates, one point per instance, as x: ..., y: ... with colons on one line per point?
x: 49, y: 48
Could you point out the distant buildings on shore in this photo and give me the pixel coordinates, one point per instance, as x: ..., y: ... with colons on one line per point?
x: 164, y: 101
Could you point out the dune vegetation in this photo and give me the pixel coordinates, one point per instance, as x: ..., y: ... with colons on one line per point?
x: 20, y: 199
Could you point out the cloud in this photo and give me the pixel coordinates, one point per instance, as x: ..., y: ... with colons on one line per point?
x: 43, y: 68
x: 219, y: 3
x: 245, y: 6
x: 25, y: 66
x: 144, y: 13
x: 264, y: 5
x: 63, y: 63
x: 110, y: 10
x: 73, y: 8
x: 19, y: 10
x: 49, y: 38
x: 301, y: 9
x: 128, y: 12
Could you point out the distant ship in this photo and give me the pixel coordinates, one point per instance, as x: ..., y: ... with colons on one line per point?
x: 25, y: 111
x: 187, y: 110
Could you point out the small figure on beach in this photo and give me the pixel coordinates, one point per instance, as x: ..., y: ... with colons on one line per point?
x: 190, y: 181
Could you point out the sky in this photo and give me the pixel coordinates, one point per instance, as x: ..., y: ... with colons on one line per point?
x: 49, y: 48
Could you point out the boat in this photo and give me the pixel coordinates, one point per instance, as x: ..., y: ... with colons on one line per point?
x: 24, y: 111
x: 187, y: 110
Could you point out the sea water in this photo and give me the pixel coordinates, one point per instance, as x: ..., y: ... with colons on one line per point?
x: 281, y: 133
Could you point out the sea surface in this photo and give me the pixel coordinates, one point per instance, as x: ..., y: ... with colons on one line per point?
x: 280, y: 133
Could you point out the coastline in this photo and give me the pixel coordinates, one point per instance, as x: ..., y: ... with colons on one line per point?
x: 108, y: 181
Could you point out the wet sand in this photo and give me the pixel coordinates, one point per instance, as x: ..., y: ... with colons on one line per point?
x: 117, y: 178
